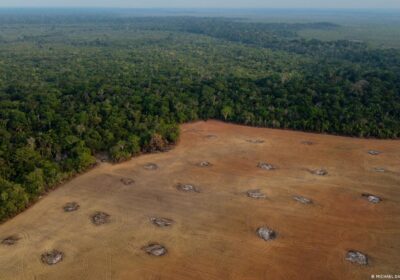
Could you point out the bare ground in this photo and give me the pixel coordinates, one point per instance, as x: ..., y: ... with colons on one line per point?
x: 214, y: 236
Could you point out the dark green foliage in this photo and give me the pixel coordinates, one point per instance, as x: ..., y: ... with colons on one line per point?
x: 74, y: 86
x: 12, y: 198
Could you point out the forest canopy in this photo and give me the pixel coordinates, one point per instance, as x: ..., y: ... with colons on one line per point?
x: 72, y: 87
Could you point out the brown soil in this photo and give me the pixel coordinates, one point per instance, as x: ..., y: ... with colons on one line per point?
x: 255, y: 141
x: 214, y: 237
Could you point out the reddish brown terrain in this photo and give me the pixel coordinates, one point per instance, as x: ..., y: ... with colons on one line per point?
x: 211, y: 231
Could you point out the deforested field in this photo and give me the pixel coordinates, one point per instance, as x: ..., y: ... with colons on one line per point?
x: 196, y: 212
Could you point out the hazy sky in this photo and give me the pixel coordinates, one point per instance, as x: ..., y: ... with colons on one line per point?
x: 385, y: 4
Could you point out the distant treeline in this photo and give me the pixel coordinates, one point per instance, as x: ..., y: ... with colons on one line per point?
x: 75, y: 86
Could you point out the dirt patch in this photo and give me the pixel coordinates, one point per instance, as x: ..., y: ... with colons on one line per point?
x: 150, y: 166
x: 187, y: 188
x: 302, y: 199
x: 357, y: 257
x: 204, y: 164
x: 162, y: 222
x: 155, y: 249
x: 309, y: 143
x: 374, y: 152
x: 379, y: 169
x: 71, y: 206
x: 266, y: 233
x: 10, y: 240
x: 372, y: 198
x: 100, y: 218
x: 127, y: 181
x: 117, y: 246
x: 211, y: 136
x: 265, y: 166
x: 319, y: 172
x: 52, y: 257
x: 255, y: 141
x: 256, y: 194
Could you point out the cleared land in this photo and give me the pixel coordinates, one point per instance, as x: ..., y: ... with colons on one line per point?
x: 210, y: 231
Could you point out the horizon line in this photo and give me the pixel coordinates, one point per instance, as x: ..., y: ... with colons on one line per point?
x: 200, y: 8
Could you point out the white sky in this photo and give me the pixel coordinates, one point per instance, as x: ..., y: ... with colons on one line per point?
x: 382, y: 4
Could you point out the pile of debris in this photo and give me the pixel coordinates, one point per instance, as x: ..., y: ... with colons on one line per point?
x: 10, y: 240
x: 265, y: 166
x: 187, y: 188
x: 162, y: 222
x: 205, y: 164
x: 372, y: 198
x: 150, y: 166
x: 257, y: 194
x: 266, y: 233
x: 302, y: 199
x: 71, y: 206
x: 357, y: 257
x: 155, y: 249
x: 127, y: 181
x: 374, y: 153
x: 52, y: 257
x: 319, y: 172
x: 100, y: 218
x: 379, y: 169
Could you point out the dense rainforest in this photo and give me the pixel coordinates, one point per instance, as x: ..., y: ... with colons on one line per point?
x: 74, y: 86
